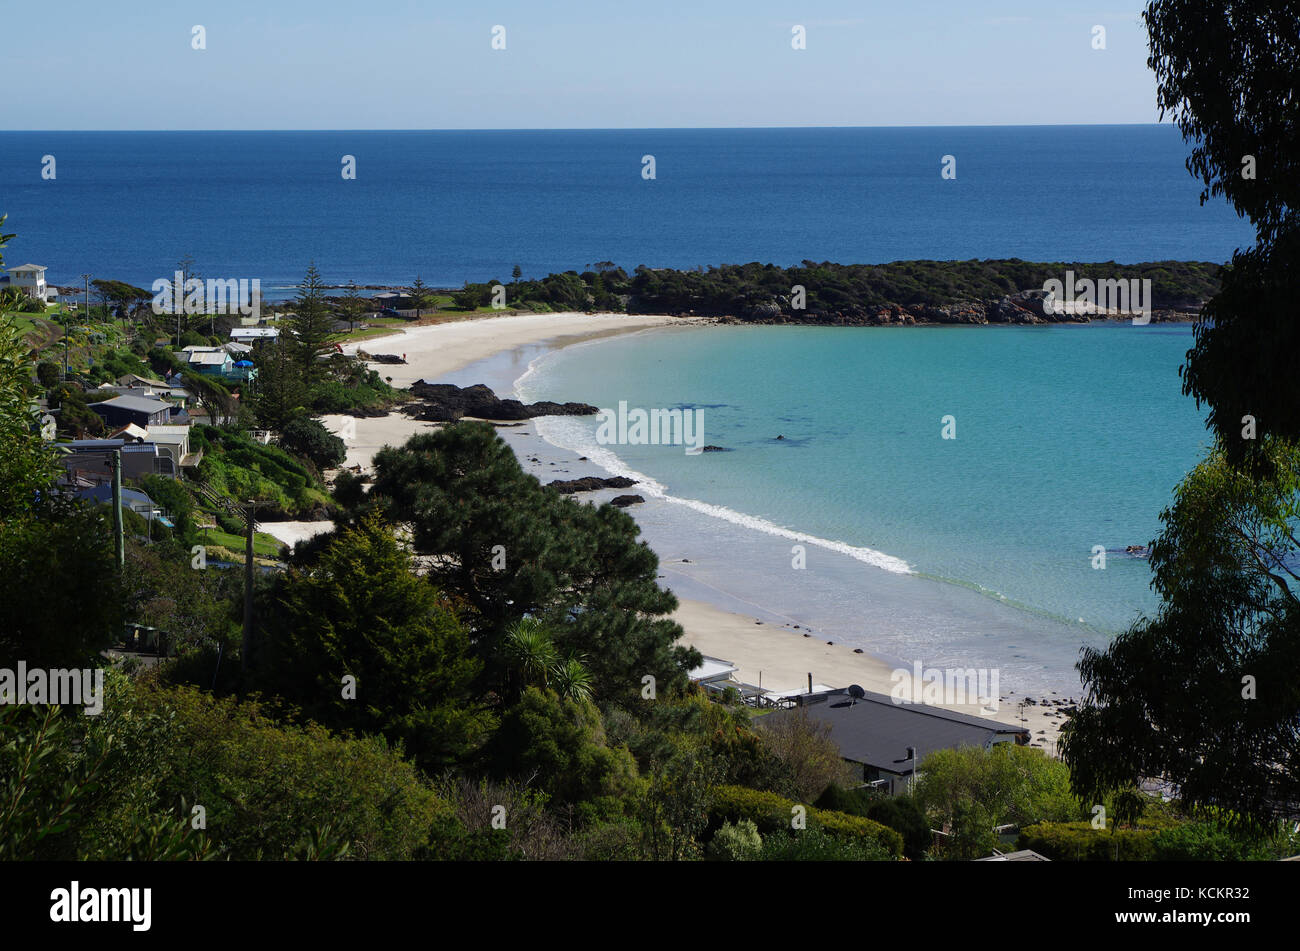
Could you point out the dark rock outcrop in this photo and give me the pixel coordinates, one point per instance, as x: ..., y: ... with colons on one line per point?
x: 590, y: 484
x: 623, y: 501
x: 445, y: 402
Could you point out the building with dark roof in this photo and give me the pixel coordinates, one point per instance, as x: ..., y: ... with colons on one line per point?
x: 141, y: 410
x: 887, y: 738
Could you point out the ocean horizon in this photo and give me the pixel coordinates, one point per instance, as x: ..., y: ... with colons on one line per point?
x: 457, y: 206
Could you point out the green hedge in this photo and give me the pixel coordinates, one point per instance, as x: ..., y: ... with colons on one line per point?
x: 772, y: 813
x: 1080, y: 842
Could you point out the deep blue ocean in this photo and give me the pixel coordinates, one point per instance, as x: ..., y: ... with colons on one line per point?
x: 457, y: 206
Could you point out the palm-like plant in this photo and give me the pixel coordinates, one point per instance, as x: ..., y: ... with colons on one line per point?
x: 571, y: 679
x: 530, y: 651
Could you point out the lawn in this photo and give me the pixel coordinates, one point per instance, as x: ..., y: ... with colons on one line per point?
x: 264, y: 546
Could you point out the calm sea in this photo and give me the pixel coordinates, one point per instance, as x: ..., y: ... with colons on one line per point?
x: 978, y: 549
x: 457, y: 206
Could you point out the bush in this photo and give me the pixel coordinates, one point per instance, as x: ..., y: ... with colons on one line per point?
x: 229, y: 524
x: 1198, y: 842
x: 735, y: 842
x: 47, y: 374
x: 269, y: 790
x: 309, y: 439
x: 772, y: 813
x: 816, y: 845
x: 1080, y: 842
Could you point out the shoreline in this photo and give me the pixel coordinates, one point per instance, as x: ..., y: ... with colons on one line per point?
x: 775, y: 652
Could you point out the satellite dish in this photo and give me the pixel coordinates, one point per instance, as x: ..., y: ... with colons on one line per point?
x: 856, y: 692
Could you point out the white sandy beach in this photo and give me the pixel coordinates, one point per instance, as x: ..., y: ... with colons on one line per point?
x: 778, y: 655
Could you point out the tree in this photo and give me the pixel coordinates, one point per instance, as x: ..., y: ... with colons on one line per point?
x: 531, y: 653
x: 972, y: 831
x: 509, y: 548
x: 47, y: 374
x: 310, y: 327
x: 806, y: 748
x: 185, y: 273
x: 310, y: 439
x: 281, y: 395
x: 27, y: 462
x: 127, y: 297
x: 351, y: 307
x: 560, y: 745
x: 1008, y: 784
x: 516, y: 273
x: 1226, y: 72
x: 359, y: 611
x: 212, y: 395
x: 1205, y: 694
x: 674, y: 810
x: 60, y: 603
x: 421, y: 296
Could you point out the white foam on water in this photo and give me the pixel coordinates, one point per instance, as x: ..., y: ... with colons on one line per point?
x: 569, y: 433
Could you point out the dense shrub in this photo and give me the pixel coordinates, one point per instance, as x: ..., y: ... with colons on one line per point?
x: 735, y: 842
x: 772, y: 813
x: 816, y: 845
x: 310, y: 440
x: 1079, y: 842
x: 268, y: 790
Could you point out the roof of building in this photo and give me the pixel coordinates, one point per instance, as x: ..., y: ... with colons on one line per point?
x: 877, y: 731
x: 712, y: 669
x: 26, y: 267
x: 136, y: 404
x: 134, y: 378
x: 131, y: 431
x: 106, y: 445
x: 1024, y: 855
x: 209, y: 358
x: 171, y: 435
x: 104, y: 493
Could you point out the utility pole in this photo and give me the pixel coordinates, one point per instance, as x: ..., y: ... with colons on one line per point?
x: 86, y: 278
x: 246, y: 644
x: 119, y: 541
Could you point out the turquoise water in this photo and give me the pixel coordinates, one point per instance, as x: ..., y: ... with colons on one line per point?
x: 1066, y: 438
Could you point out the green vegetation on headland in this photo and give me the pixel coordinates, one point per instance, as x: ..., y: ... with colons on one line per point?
x: 899, y: 292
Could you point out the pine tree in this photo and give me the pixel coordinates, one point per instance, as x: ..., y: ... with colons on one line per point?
x: 282, y: 395
x: 311, y: 325
x: 511, y: 548
x: 421, y: 296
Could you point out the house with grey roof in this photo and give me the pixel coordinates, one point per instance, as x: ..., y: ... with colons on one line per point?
x: 886, y: 738
x: 144, y: 411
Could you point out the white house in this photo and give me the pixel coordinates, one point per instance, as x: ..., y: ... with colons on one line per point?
x: 253, y: 334
x: 30, y: 279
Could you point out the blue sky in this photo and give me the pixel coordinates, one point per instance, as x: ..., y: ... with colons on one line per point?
x: 328, y: 64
